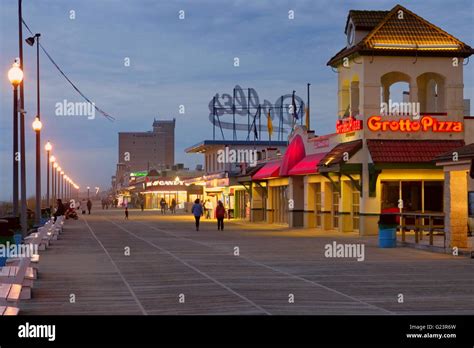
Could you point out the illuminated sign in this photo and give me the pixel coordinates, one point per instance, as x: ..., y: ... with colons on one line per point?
x: 347, y: 125
x: 137, y: 174
x: 165, y: 183
x: 427, y: 123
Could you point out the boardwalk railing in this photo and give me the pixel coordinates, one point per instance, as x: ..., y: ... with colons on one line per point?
x: 419, y: 223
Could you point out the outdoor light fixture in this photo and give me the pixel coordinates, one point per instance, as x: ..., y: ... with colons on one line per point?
x: 416, y: 47
x: 15, y: 74
x: 37, y: 125
x: 52, y: 159
x: 55, y: 165
x: 48, y: 146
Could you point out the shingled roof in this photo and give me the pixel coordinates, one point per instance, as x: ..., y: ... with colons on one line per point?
x: 409, y: 151
x: 365, y: 20
x: 387, y: 33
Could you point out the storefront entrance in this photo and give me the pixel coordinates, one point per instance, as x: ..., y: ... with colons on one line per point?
x: 318, y: 205
x: 280, y: 204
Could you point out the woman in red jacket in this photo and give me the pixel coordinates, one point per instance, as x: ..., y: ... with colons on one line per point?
x: 220, y: 214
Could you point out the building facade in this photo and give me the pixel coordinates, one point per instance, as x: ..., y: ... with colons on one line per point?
x: 381, y: 157
x: 145, y: 150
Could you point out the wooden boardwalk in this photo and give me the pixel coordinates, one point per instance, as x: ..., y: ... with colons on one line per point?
x: 170, y: 262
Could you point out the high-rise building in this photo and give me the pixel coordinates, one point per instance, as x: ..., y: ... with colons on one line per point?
x: 146, y: 150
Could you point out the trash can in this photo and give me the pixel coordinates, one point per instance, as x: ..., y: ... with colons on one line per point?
x: 388, y: 231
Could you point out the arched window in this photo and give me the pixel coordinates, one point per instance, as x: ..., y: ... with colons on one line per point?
x: 395, y: 89
x: 431, y: 93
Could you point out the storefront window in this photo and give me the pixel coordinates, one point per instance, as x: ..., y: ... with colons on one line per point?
x: 411, y: 196
x: 390, y: 194
x: 433, y: 196
x: 417, y: 196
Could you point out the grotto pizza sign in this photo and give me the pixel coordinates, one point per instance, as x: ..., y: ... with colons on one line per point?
x: 425, y: 124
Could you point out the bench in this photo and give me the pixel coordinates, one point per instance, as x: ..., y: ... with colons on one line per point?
x: 21, y: 276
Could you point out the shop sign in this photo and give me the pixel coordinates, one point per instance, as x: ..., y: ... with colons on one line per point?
x: 347, y: 125
x: 321, y: 143
x: 425, y: 124
x: 138, y: 174
x: 165, y: 183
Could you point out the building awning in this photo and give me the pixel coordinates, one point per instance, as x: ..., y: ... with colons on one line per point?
x: 294, y: 154
x: 269, y: 170
x: 409, y: 151
x: 308, y: 165
x: 336, y: 155
x: 247, y: 177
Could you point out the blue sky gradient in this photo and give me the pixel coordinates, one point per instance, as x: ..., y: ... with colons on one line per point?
x: 176, y: 62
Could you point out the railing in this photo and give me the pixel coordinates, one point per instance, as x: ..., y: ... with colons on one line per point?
x: 419, y: 223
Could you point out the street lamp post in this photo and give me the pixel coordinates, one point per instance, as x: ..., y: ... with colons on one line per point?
x: 47, y: 148
x: 62, y: 186
x: 37, y: 128
x: 58, y: 187
x: 50, y: 182
x: 66, y: 196
x: 88, y: 189
x: 55, y: 186
x: 22, y: 157
x: 37, y: 125
x: 15, y: 75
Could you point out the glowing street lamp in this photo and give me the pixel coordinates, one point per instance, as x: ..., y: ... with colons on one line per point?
x: 37, y: 125
x: 15, y: 75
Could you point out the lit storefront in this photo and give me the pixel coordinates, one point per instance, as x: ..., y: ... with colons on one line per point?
x: 151, y: 190
x: 381, y: 156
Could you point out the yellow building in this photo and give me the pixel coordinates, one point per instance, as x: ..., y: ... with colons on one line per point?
x: 400, y: 104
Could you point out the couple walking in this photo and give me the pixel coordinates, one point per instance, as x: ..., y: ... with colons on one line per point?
x: 198, y: 211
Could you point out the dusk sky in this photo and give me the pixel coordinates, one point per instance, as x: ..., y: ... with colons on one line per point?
x: 174, y: 62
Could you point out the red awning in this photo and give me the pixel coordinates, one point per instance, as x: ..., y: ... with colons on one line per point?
x: 294, y: 153
x: 307, y: 165
x: 269, y: 170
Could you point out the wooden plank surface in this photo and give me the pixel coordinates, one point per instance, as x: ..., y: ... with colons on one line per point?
x: 168, y: 258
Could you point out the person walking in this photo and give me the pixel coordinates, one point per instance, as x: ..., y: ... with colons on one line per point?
x: 173, y: 206
x: 142, y: 205
x: 89, y: 206
x: 162, y: 205
x: 126, y: 213
x: 220, y: 214
x: 83, y: 206
x: 197, y: 212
